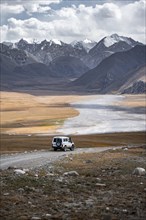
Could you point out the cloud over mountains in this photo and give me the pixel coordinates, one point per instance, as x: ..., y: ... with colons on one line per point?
x: 69, y: 20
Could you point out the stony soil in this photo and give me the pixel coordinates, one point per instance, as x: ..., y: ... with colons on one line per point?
x: 103, y: 187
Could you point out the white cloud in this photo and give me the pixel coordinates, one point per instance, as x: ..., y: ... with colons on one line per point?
x: 18, y: 6
x: 36, y: 8
x: 78, y: 22
x: 11, y: 9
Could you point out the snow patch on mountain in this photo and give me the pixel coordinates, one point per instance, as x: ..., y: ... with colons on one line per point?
x: 87, y: 41
x: 55, y: 41
x: 115, y: 38
x: 86, y: 44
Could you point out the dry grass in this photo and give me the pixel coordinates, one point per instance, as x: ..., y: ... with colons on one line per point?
x: 134, y: 101
x: 24, y: 113
x: 88, y: 163
x: 19, y: 143
x: 105, y: 189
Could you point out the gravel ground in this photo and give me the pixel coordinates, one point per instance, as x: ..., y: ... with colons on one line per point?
x: 40, y: 158
x: 95, y: 186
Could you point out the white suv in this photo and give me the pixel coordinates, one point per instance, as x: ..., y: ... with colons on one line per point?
x: 62, y: 143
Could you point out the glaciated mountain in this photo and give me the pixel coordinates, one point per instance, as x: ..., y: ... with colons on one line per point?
x: 107, y: 63
x: 108, y: 46
x: 47, y: 51
x: 90, y: 52
x: 115, y: 38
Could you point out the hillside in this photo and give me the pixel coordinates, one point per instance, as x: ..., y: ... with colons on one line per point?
x: 136, y: 84
x: 113, y: 72
x: 68, y: 67
x: 30, y: 75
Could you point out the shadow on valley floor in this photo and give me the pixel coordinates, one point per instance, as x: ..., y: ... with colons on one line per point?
x: 47, y: 89
x: 130, y: 110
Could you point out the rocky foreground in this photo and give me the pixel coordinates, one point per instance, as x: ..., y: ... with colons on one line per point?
x: 108, y: 186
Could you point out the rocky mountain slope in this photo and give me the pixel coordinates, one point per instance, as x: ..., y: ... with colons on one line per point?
x: 68, y: 67
x: 90, y: 52
x: 34, y: 63
x: 85, y: 44
x: 108, y: 46
x: 20, y: 57
x: 136, y: 84
x: 137, y: 88
x: 113, y: 72
x: 47, y: 51
x: 30, y: 75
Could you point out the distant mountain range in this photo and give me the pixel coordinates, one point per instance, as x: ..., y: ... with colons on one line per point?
x: 114, y: 64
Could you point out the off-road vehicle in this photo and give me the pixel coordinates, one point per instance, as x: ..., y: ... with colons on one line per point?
x: 62, y: 143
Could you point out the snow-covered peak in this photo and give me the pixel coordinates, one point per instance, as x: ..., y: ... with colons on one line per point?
x: 115, y: 38
x: 86, y: 44
x: 87, y: 41
x: 55, y: 41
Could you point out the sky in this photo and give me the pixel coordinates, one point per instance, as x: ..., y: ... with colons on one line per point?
x: 71, y: 20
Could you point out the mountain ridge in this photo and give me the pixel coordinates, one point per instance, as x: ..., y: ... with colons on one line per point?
x: 54, y: 59
x: 107, y: 76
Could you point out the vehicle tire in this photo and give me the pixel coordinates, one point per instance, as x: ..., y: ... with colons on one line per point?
x: 65, y: 148
x: 72, y: 148
x: 55, y: 149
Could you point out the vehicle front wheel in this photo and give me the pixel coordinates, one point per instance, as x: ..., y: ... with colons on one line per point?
x: 65, y: 148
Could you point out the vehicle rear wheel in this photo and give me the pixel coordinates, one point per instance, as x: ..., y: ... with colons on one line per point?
x: 72, y: 148
x: 55, y: 149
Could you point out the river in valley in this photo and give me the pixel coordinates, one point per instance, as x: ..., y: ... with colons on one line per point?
x: 104, y: 114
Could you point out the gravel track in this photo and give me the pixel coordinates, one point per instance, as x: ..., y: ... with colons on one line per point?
x: 40, y: 158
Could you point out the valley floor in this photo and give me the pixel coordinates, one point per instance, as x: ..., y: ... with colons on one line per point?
x: 27, y: 114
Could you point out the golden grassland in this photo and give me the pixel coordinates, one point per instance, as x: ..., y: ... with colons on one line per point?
x: 134, y: 101
x: 26, y: 114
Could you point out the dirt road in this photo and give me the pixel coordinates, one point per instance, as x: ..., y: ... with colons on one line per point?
x: 40, y: 158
